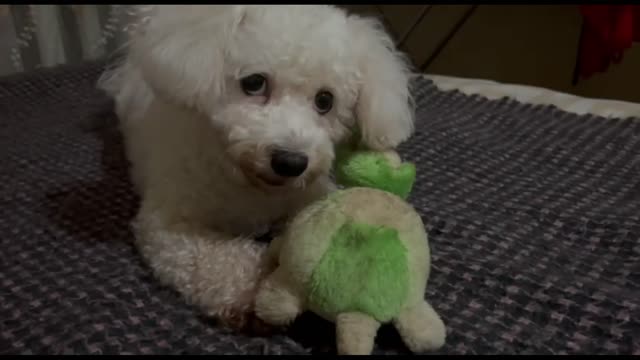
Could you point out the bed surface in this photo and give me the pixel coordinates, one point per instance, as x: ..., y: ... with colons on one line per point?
x: 536, y: 95
x: 533, y: 214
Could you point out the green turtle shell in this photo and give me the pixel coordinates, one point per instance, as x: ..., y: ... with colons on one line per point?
x: 359, y: 249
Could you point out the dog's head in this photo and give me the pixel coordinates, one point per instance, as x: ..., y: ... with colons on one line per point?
x: 281, y: 85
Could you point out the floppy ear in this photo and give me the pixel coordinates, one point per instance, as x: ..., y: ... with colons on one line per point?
x: 384, y: 110
x: 181, y: 50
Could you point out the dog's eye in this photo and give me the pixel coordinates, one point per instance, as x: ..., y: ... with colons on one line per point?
x: 323, y: 102
x: 254, y: 85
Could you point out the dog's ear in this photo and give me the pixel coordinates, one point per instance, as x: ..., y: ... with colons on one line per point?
x: 181, y: 50
x: 384, y: 111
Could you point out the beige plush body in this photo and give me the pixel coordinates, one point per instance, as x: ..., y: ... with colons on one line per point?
x: 298, y: 252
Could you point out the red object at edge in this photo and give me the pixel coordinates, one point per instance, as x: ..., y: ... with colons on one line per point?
x: 608, y: 30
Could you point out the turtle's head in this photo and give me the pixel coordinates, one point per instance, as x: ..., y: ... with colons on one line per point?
x: 374, y: 169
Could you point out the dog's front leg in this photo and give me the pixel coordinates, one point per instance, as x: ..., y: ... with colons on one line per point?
x: 217, y: 272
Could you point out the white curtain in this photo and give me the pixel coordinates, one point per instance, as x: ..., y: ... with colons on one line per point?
x: 33, y: 36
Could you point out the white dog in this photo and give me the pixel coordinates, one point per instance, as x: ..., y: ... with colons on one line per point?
x: 230, y: 115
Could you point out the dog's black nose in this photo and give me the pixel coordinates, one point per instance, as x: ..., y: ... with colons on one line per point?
x: 288, y: 164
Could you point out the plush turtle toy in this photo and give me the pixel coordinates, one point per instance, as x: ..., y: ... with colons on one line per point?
x: 359, y: 257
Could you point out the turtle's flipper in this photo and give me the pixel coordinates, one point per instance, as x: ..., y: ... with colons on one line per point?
x: 276, y: 302
x: 355, y: 333
x: 421, y: 328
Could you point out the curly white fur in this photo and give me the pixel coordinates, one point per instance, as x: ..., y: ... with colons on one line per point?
x: 200, y: 147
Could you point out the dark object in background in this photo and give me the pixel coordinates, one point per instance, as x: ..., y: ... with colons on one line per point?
x: 607, y: 32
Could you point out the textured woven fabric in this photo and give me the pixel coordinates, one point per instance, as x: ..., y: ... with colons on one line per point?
x: 533, y: 216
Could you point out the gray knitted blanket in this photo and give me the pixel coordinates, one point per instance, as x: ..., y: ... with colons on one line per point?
x: 533, y: 216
